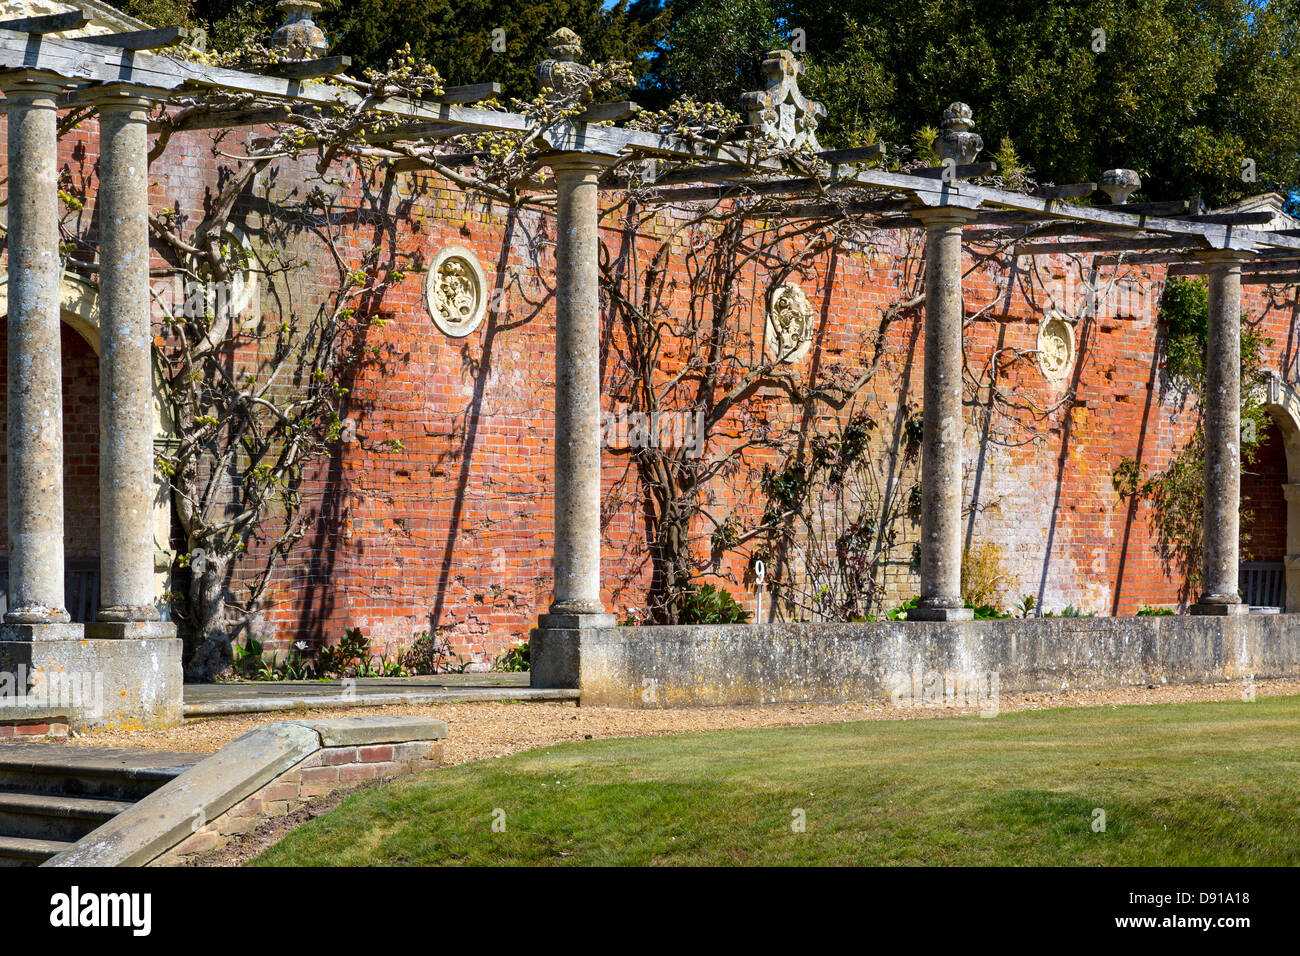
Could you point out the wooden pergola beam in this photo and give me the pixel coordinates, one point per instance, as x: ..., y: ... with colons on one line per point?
x: 310, y: 69
x: 1067, y: 191
x: 1271, y: 278
x: 48, y: 23
x: 609, y: 112
x: 139, y: 39
x: 86, y: 63
x: 966, y: 171
x: 1102, y: 245
x: 1264, y: 265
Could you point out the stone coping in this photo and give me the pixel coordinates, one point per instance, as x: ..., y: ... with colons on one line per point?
x: 186, y: 804
x: 276, y: 697
x: 23, y: 715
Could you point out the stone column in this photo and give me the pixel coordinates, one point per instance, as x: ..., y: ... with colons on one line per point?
x: 577, y: 389
x: 1222, y: 510
x: 576, y: 602
x: 35, y: 410
x: 126, y: 466
x: 941, y: 466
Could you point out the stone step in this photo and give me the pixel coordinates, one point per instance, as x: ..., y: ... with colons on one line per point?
x: 106, y: 772
x: 24, y: 851
x: 46, y: 817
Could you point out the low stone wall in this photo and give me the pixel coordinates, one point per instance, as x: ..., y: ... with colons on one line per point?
x: 711, y: 665
x: 264, y: 774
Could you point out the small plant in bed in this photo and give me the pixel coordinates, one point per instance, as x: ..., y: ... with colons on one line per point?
x: 706, y: 604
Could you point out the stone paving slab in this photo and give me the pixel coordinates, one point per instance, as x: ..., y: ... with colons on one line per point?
x: 207, y: 700
x: 162, y: 764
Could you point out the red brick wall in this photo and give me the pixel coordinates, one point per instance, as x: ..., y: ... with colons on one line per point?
x: 436, y: 514
x: 1261, y: 496
x: 80, y: 443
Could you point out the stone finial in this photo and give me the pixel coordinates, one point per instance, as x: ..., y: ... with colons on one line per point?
x: 560, y: 71
x: 955, y: 140
x: 299, y: 36
x: 780, y: 111
x: 1119, y: 184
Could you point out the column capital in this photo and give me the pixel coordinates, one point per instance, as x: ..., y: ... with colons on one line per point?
x: 1225, y: 258
x: 32, y: 82
x: 128, y: 96
x: 940, y: 216
x: 579, y: 162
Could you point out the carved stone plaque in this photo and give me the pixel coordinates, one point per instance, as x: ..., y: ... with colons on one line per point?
x: 1055, y: 348
x: 789, y: 324
x: 455, y: 291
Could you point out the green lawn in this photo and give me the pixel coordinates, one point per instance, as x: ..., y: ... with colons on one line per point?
x: 1187, y: 784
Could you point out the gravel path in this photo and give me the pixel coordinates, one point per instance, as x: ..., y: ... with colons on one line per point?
x: 479, y: 731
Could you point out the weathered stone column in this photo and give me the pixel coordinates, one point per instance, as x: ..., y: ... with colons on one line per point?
x: 126, y: 482
x: 577, y: 389
x: 576, y: 602
x: 1221, y: 542
x: 941, y: 465
x: 35, y: 396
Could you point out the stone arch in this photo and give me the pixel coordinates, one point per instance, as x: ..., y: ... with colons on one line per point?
x: 1283, y: 406
x: 79, y: 310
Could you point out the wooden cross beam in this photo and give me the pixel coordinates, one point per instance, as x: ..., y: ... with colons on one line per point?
x: 310, y: 69
x: 1271, y: 278
x: 1266, y: 265
x: 608, y: 112
x: 1068, y: 191
x: 472, y: 93
x: 1104, y: 245
x: 819, y: 210
x: 139, y: 39
x: 49, y: 23
x: 1263, y: 257
x: 967, y: 171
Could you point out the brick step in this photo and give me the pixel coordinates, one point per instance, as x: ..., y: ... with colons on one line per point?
x: 105, y: 772
x: 52, y: 817
x: 24, y: 851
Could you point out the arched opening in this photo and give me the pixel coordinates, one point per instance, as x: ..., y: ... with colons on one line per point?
x: 80, y: 369
x: 1271, y: 491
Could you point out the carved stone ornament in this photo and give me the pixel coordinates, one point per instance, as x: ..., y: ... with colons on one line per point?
x: 299, y: 36
x: 955, y: 140
x: 560, y: 71
x: 781, y: 111
x: 789, y: 325
x: 1119, y: 184
x: 1055, y: 348
x: 455, y: 291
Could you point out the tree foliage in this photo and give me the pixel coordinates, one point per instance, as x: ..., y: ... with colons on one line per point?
x: 1181, y: 91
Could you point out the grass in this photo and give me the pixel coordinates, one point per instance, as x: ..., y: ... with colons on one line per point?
x: 1180, y: 784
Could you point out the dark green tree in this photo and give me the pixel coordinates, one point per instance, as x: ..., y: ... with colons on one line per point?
x: 1183, y: 91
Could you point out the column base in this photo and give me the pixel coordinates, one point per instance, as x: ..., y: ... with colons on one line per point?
x: 130, y: 631
x: 127, y: 613
x: 1219, y: 610
x: 564, y: 622
x: 37, y: 614
x: 941, y: 614
x: 131, y: 681
x: 555, y: 647
x: 27, y: 633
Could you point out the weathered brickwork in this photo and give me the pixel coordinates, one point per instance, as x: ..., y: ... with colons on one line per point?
x: 80, y: 443
x: 434, y: 511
